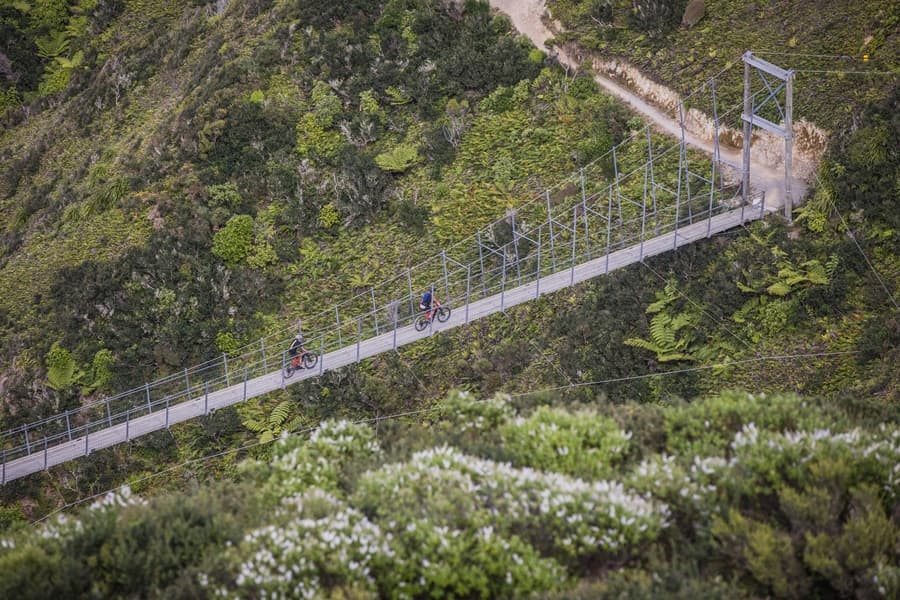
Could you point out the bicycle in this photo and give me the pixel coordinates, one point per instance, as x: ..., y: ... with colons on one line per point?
x: 441, y: 313
x: 307, y: 360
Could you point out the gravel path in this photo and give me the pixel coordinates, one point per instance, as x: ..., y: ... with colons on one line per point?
x: 526, y: 16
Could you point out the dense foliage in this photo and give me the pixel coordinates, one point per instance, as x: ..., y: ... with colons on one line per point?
x: 772, y: 504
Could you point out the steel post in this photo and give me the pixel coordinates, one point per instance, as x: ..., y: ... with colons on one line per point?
x: 167, y: 412
x: 680, y: 176
x: 225, y: 363
x: 87, y: 433
x: 788, y: 145
x: 127, y: 423
x: 206, y: 397
x: 748, y: 127
x: 587, y: 236
x: 616, y: 182
x: 715, y: 161
x: 412, y: 308
x: 643, y: 218
x: 187, y: 382
x: 468, y: 289
x: 395, y: 330
x: 245, y: 386
x: 374, y: 309
x: 503, y: 286
x: 608, y: 228
x: 337, y: 319
x: 108, y: 413
x: 550, y: 225
x: 446, y: 279
x: 516, y: 249
x: 652, y: 179
x: 68, y: 426
x: 481, y: 265
x: 149, y: 404
x: 45, y: 454
x: 574, y: 240
x: 283, y: 365
x: 27, y: 442
x: 321, y: 355
x: 358, y: 336
x: 262, y: 349
x: 537, y: 282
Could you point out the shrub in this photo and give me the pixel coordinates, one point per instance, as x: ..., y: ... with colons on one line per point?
x: 559, y: 515
x: 326, y: 460
x: 321, y: 548
x: 582, y: 443
x: 691, y: 491
x: 225, y: 195
x: 656, y: 17
x: 436, y: 561
x: 232, y: 243
x: 706, y: 427
x: 463, y: 412
x: 765, y: 552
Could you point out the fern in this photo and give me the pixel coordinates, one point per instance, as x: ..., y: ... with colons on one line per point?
x: 667, y: 340
x: 53, y: 45
x: 278, y: 421
x: 399, y: 159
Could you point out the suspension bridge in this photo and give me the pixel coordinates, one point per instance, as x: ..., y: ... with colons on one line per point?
x: 649, y: 195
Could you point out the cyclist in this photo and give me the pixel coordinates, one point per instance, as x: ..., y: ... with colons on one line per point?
x: 428, y: 304
x: 297, y: 346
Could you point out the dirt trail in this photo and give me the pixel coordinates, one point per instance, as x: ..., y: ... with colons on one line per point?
x: 526, y: 16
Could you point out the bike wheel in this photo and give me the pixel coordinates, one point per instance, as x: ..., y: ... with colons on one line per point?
x: 443, y: 313
x: 421, y: 323
x: 288, y: 370
x: 310, y: 360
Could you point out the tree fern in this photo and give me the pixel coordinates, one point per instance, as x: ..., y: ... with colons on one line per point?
x: 277, y: 422
x: 667, y: 339
x: 53, y: 45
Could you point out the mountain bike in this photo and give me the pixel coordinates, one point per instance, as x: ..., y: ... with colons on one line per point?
x: 307, y: 360
x: 441, y: 313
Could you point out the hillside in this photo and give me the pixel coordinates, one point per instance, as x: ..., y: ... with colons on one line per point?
x: 181, y: 178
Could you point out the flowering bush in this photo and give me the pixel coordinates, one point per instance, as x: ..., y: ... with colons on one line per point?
x: 322, y: 461
x: 463, y: 412
x: 763, y: 461
x: 437, y: 561
x: 690, y: 491
x: 556, y: 513
x: 324, y: 546
x: 836, y: 491
x: 706, y: 427
x: 583, y: 443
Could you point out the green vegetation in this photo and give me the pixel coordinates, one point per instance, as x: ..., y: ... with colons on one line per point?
x: 816, y: 38
x: 179, y: 179
x: 772, y: 505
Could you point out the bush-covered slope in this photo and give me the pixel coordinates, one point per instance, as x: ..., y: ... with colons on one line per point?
x: 209, y: 172
x: 831, y: 44
x: 734, y: 496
